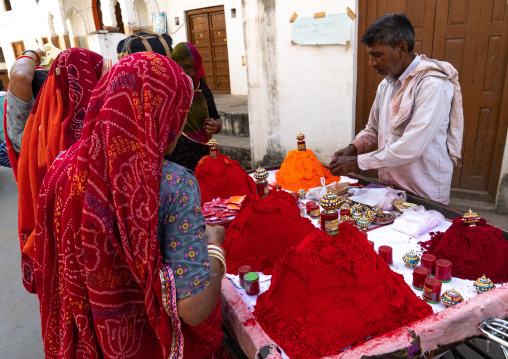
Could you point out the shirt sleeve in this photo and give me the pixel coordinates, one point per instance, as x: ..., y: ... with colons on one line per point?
x: 182, y: 231
x: 210, y: 102
x: 431, y: 109
x: 367, y: 138
x: 17, y: 114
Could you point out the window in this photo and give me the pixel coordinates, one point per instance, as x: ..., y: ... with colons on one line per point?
x: 18, y: 47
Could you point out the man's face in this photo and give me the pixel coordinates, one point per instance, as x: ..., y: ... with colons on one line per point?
x: 387, y: 61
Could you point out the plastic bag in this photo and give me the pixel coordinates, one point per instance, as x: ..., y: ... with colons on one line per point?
x: 416, y: 221
x: 317, y: 192
x: 382, y: 197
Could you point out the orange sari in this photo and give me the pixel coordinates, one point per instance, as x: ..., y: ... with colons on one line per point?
x: 53, y: 126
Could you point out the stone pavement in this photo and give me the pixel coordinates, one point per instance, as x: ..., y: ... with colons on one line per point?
x: 20, y: 326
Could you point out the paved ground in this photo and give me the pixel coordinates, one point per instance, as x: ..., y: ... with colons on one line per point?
x: 20, y: 332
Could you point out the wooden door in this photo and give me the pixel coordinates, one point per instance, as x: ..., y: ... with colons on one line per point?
x: 4, y: 77
x: 207, y: 32
x: 473, y: 36
x: 18, y: 48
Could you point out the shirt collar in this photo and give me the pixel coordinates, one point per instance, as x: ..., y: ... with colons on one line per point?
x: 410, y: 68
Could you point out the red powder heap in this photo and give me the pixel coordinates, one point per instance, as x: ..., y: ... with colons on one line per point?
x: 332, y: 291
x: 473, y: 251
x: 222, y: 177
x: 302, y: 170
x: 262, y: 231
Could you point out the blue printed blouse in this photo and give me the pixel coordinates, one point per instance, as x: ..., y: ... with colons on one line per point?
x: 182, y: 230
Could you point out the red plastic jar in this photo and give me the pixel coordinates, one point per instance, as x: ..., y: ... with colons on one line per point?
x: 330, y: 222
x: 429, y: 261
x: 296, y: 196
x: 350, y: 222
x: 371, y: 243
x: 242, y: 271
x: 444, y: 270
x: 385, y: 252
x: 345, y: 212
x: 251, y: 283
x: 432, y: 290
x: 419, y: 276
x: 277, y: 188
x: 307, y: 206
x: 314, y: 211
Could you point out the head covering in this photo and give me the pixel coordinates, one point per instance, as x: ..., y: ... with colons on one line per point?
x: 97, y: 257
x: 145, y: 41
x: 198, y: 112
x: 54, y: 124
x: 51, y: 53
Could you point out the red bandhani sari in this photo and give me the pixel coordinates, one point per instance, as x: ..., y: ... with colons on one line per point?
x: 98, y: 265
x: 54, y: 124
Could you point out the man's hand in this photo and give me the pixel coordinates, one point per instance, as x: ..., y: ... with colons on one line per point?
x: 215, y: 234
x: 348, y: 151
x: 344, y: 164
x: 210, y: 126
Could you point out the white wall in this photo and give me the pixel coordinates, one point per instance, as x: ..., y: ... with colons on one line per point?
x: 105, y: 44
x: 295, y: 88
x: 234, y: 29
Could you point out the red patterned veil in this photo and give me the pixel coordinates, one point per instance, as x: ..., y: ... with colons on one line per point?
x: 97, y: 256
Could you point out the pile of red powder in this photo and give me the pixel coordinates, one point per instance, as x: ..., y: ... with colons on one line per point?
x: 302, y: 170
x: 473, y: 251
x: 262, y: 231
x: 331, y: 292
x: 222, y: 177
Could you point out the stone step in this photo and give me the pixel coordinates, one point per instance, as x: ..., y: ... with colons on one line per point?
x: 234, y: 111
x: 235, y: 124
x: 235, y: 147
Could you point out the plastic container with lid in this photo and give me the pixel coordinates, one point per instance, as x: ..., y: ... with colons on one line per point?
x: 251, y: 283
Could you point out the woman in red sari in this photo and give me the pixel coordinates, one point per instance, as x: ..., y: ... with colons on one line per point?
x: 106, y: 287
x: 54, y: 124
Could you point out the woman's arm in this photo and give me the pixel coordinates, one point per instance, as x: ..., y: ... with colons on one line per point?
x: 194, y: 310
x: 22, y: 74
x: 183, y: 239
x: 214, y: 123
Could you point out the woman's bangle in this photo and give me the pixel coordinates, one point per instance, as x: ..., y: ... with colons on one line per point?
x: 28, y: 57
x: 36, y: 54
x: 219, y: 128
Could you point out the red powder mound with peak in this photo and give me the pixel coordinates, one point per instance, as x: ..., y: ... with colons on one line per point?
x: 302, y: 170
x: 473, y: 251
x: 262, y: 231
x: 222, y: 177
x: 331, y: 292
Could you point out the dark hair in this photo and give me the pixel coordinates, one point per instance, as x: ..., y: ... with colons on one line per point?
x: 133, y: 44
x: 39, y: 79
x: 1, y: 86
x: 390, y: 30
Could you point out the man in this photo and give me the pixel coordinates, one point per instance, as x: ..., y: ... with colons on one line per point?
x: 416, y: 119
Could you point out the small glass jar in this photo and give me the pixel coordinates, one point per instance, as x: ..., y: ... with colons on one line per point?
x: 277, y: 188
x: 214, y: 148
x: 385, y: 252
x: 432, y: 290
x: 429, y: 261
x: 251, y: 283
x: 419, y: 276
x: 314, y: 211
x: 262, y: 188
x: 444, y: 270
x: 330, y: 221
x: 301, y: 142
x: 242, y: 271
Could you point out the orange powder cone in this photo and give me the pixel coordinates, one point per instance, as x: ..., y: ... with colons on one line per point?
x: 302, y: 170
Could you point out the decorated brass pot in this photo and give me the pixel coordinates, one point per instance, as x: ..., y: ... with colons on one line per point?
x: 411, y: 259
x: 451, y: 297
x: 483, y: 285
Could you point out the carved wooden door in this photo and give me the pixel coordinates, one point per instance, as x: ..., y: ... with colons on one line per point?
x: 207, y: 32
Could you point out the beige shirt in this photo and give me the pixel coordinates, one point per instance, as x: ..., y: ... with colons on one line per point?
x: 414, y: 156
